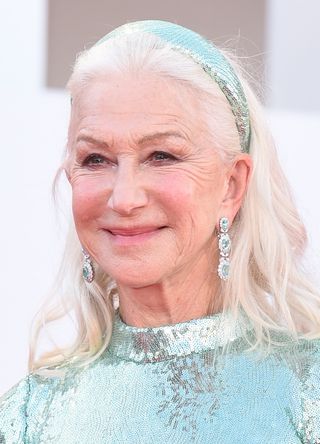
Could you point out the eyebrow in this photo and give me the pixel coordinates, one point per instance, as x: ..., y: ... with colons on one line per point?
x: 158, y: 136
x: 92, y: 140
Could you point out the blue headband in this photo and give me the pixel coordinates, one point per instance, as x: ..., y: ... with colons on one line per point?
x: 206, y: 55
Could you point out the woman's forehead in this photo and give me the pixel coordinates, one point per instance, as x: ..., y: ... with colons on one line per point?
x: 144, y: 92
x: 129, y: 105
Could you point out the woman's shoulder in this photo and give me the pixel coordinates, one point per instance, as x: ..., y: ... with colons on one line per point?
x: 22, y: 403
x: 303, y: 353
x: 298, y: 358
x: 302, y: 360
x: 309, y: 367
x: 13, y: 414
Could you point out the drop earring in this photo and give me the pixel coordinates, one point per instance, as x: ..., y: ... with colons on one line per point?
x: 224, y: 249
x: 87, y: 267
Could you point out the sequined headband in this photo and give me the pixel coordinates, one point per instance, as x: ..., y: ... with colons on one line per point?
x: 206, y: 55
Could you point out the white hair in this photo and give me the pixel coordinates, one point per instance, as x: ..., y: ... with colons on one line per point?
x: 267, y: 282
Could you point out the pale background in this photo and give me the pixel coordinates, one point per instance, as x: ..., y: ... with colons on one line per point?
x: 38, y: 44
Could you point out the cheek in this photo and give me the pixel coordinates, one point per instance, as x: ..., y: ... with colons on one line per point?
x: 189, y: 202
x: 88, y: 199
x: 176, y: 192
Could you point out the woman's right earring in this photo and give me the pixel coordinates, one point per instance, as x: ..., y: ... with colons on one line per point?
x: 224, y: 249
x: 87, y: 267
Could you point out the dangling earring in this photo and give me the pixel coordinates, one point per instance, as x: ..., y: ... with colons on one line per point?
x: 224, y: 248
x: 87, y: 267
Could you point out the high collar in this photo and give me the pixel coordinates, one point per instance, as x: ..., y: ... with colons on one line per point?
x: 153, y: 344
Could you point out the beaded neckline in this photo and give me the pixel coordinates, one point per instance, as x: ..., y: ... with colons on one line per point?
x: 153, y: 344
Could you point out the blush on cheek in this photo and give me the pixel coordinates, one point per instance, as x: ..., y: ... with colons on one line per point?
x: 88, y: 202
x: 176, y: 189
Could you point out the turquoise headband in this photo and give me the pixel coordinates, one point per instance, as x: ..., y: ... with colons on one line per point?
x: 206, y: 55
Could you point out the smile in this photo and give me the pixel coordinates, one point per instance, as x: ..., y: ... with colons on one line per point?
x: 132, y: 236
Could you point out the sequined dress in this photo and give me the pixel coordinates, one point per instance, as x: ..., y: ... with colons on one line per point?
x: 173, y: 384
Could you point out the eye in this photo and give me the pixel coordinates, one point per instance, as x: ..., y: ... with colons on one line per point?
x: 94, y: 160
x: 162, y: 156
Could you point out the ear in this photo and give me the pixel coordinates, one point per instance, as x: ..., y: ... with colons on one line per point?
x: 66, y: 168
x: 237, y: 179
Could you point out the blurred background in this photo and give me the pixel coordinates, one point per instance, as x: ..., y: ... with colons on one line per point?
x: 279, y: 43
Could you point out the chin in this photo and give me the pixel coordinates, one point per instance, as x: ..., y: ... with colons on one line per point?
x: 136, y: 277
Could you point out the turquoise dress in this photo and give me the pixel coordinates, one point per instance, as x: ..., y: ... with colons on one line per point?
x: 192, y: 382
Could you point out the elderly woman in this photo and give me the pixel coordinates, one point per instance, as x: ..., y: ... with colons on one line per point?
x: 195, y: 321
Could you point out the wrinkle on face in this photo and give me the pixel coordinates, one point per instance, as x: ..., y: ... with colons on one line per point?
x: 119, y: 120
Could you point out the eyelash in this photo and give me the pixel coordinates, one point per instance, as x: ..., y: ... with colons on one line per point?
x: 166, y: 157
x: 87, y: 161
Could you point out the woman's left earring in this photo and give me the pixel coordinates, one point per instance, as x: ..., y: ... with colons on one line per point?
x: 87, y: 267
x: 224, y: 249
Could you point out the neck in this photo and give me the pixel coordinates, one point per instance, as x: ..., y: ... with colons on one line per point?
x: 188, y: 295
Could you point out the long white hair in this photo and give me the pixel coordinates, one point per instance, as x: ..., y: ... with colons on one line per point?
x: 267, y: 282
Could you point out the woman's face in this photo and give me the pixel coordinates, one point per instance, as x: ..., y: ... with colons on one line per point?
x: 147, y: 183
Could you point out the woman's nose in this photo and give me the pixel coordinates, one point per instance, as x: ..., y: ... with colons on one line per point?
x: 127, y: 193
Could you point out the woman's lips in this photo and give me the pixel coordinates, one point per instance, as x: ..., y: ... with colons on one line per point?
x: 132, y: 231
x: 132, y: 236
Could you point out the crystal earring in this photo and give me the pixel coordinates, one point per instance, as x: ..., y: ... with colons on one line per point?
x: 224, y: 248
x: 87, y: 267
